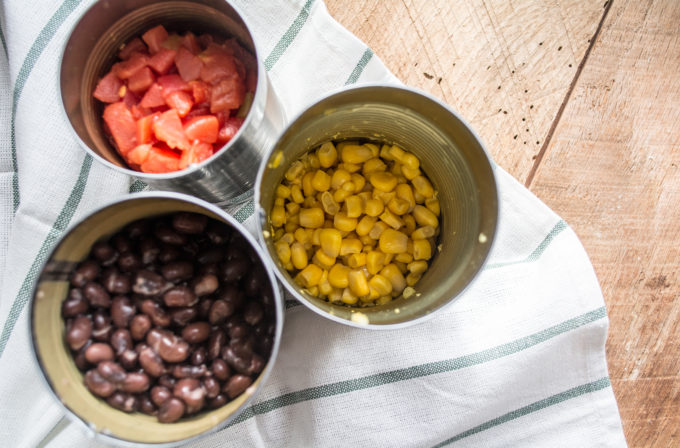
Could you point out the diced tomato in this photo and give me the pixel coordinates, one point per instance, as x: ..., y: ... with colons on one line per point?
x: 139, y: 111
x: 129, y: 67
x: 168, y: 127
x: 203, y: 128
x: 199, y: 152
x: 217, y: 64
x: 141, y: 80
x: 122, y: 126
x: 191, y: 43
x: 153, y: 97
x: 188, y: 65
x: 205, y: 40
x: 172, y: 42
x: 171, y: 83
x: 144, y: 129
x: 198, y: 110
x: 161, y: 161
x: 108, y: 88
x: 162, y: 61
x: 154, y: 38
x: 240, y: 69
x: 200, y: 91
x: 130, y: 99
x: 229, y: 129
x: 227, y: 94
x: 138, y: 154
x: 135, y: 44
x: 181, y: 101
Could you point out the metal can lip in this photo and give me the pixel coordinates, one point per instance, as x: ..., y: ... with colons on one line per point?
x: 261, y: 217
x: 278, y: 309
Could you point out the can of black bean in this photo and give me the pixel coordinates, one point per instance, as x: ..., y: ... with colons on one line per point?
x: 155, y: 319
x: 174, y: 93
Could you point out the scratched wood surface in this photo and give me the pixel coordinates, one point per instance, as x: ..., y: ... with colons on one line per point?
x: 579, y: 100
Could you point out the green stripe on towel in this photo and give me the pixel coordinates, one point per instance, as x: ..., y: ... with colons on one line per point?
x: 578, y: 391
x: 536, y: 254
x: 44, y: 38
x: 361, y: 65
x: 422, y: 370
x: 289, y: 36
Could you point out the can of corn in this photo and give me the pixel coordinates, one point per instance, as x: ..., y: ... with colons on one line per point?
x: 450, y: 155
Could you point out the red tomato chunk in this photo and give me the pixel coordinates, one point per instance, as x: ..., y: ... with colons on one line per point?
x: 173, y: 100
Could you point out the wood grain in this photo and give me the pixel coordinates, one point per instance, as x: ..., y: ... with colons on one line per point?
x: 610, y: 166
x: 611, y: 171
x: 504, y: 65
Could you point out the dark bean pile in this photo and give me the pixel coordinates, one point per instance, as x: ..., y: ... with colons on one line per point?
x: 170, y: 316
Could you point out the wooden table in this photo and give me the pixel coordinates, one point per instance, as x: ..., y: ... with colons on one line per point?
x: 580, y: 101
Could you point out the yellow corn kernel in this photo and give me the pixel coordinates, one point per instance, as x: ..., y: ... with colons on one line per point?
x: 432, y: 205
x: 294, y: 172
x: 410, y: 160
x: 350, y: 167
x: 405, y: 193
x: 385, y: 153
x: 348, y: 297
x: 404, y: 257
x: 314, y: 161
x: 421, y: 250
x: 307, y: 185
x: 291, y: 226
x: 356, y: 154
x: 310, y: 276
x: 310, y: 202
x: 283, y: 191
x: 371, y: 297
x: 412, y: 279
x: 383, y: 196
x: 375, y: 261
x: 365, y: 225
x: 322, y: 259
x: 288, y: 238
x: 344, y: 222
x: 393, y: 241
x: 420, y: 199
x: 331, y: 242
x: 342, y: 145
x: 316, y: 237
x: 409, y: 173
x: 423, y: 186
x: 292, y: 208
x: 374, y: 207
x: 401, y: 266
x: 311, y: 217
x: 388, y: 258
x: 384, y: 300
x: 375, y: 150
x: 359, y: 182
x: 278, y: 233
x: 365, y: 196
x: 279, y: 201
x: 348, y: 187
x: 328, y: 203
x: 392, y: 273
x: 368, y: 243
x: 373, y: 165
x: 283, y: 251
x: 409, y: 224
x: 424, y: 217
x: 325, y: 288
x: 355, y: 206
x: 397, y: 153
x: 383, y: 181
x: 396, y: 170
x: 356, y: 260
x: 423, y: 232
x: 301, y: 235
x: 382, y: 286
x: 417, y: 267
x: 298, y: 255
x: 296, y: 194
x: 313, y: 291
x: 278, y: 216
x: 391, y: 220
x: 357, y: 283
x: 377, y: 230
x: 321, y: 181
x: 350, y: 246
x: 338, y: 276
x: 398, y: 206
x: 288, y: 266
x: 327, y: 155
x: 340, y: 195
x: 335, y: 295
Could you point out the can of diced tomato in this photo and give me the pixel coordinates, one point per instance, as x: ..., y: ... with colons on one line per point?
x: 173, y: 93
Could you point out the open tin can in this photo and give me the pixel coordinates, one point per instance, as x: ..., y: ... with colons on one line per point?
x: 227, y: 177
x: 49, y: 339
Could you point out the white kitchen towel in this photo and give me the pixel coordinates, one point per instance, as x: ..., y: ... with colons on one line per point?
x: 518, y: 360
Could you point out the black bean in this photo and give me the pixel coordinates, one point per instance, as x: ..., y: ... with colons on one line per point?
x: 98, y: 352
x: 217, y: 402
x: 236, y: 385
x: 253, y: 313
x: 148, y: 283
x: 122, y: 243
x: 85, y: 272
x: 177, y: 271
x: 253, y: 282
x: 149, y: 250
x: 122, y: 401
x: 145, y: 405
x: 182, y: 316
x: 167, y: 381
x: 79, y: 332
x: 171, y: 410
x: 218, y: 233
x: 220, y: 369
x: 103, y: 330
x: 97, y: 384
x: 218, y: 339
x: 74, y: 305
x: 210, y: 256
x: 209, y: 269
x: 156, y: 312
x: 137, y: 228
x: 197, y: 332
x: 169, y: 346
x: 159, y: 394
x: 191, y: 392
x: 115, y: 282
x: 237, y: 361
x: 139, y: 325
x: 128, y: 359
x: 205, y: 284
x: 135, y: 382
x: 122, y: 311
x: 129, y: 262
x: 180, y: 371
x: 169, y: 236
x: 168, y: 254
x: 199, y: 356
x: 180, y: 296
x: 230, y: 293
x: 151, y: 362
x: 234, y: 269
x: 103, y: 252
x: 191, y: 223
x: 211, y: 386
x: 111, y: 371
x: 121, y: 340
x: 96, y: 295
